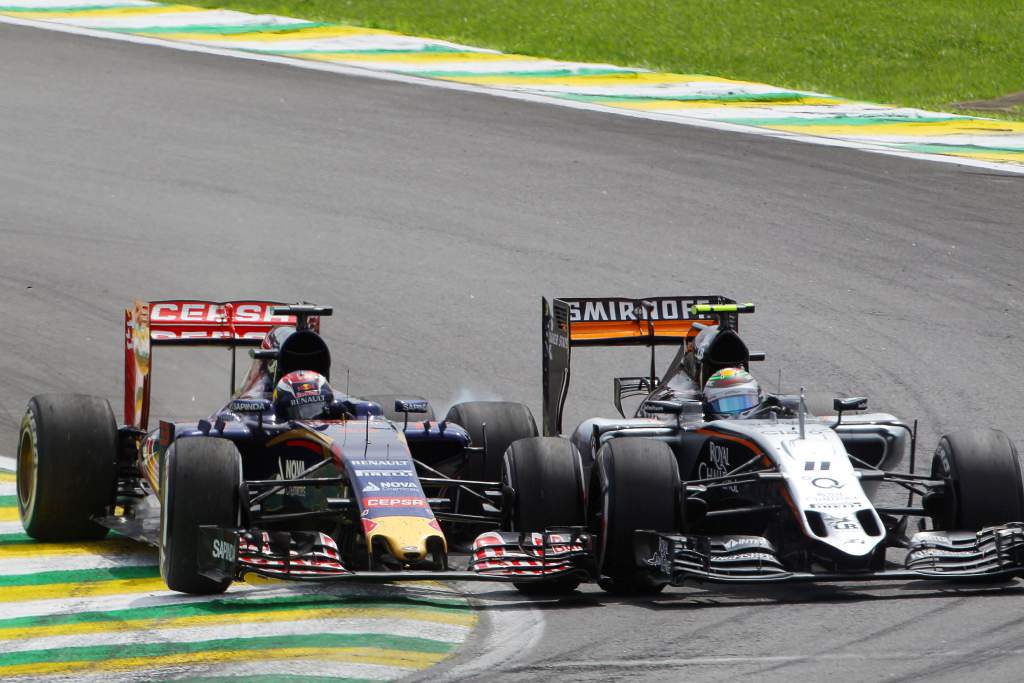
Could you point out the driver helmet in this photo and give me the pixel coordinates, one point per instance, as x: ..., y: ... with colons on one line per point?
x: 731, y: 391
x: 302, y: 395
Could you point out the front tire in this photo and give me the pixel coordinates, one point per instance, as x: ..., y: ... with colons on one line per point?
x: 985, y: 483
x: 199, y: 485
x: 67, y: 467
x: 636, y: 486
x: 387, y: 407
x: 546, y: 475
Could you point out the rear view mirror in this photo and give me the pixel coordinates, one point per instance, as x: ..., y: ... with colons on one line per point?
x: 411, y: 406
x: 841, y: 405
x: 663, y: 407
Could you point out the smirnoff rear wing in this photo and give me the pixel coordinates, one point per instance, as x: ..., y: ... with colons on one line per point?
x: 617, y: 321
x: 189, y: 323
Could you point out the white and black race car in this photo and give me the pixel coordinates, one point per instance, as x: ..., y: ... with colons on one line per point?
x: 777, y: 493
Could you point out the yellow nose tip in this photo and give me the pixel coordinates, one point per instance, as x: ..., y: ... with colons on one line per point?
x: 406, y: 537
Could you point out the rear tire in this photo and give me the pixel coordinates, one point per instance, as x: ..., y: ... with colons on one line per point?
x: 67, y: 467
x: 986, y: 487
x: 547, y: 476
x: 506, y: 422
x: 199, y: 485
x: 636, y: 485
x: 387, y: 407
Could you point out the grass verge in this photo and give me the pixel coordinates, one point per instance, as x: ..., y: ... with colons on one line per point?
x: 921, y: 53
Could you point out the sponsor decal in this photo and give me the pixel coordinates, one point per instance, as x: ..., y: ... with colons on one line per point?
x: 717, y: 464
x: 384, y: 473
x: 412, y: 406
x: 555, y: 336
x: 370, y: 486
x: 382, y: 502
x: 841, y: 523
x: 606, y: 310
x: 307, y: 398
x: 662, y: 559
x: 811, y: 465
x: 243, y: 405
x: 204, y: 312
x: 396, y: 485
x: 291, y: 469
x: 747, y: 543
x: 376, y: 463
x: 223, y: 550
x: 827, y: 483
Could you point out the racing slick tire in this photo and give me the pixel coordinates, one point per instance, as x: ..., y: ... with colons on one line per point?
x: 635, y: 486
x: 546, y: 476
x: 387, y: 406
x: 506, y: 422
x: 985, y: 484
x: 199, y: 483
x: 66, y: 467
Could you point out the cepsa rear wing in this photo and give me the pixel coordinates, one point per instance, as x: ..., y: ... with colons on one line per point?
x: 616, y: 321
x: 188, y: 323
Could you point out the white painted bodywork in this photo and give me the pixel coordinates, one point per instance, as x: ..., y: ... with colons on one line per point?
x: 818, y: 476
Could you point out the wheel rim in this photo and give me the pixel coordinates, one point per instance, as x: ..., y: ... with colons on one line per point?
x: 27, y: 464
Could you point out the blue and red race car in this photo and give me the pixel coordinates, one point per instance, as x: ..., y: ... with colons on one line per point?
x: 293, y: 479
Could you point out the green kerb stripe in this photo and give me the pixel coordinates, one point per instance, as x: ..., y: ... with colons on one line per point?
x: 781, y: 96
x: 950, y: 149
x: 256, y: 644
x: 79, y: 576
x: 226, y: 30
x: 10, y: 539
x: 427, y: 49
x: 8, y: 501
x: 552, y: 73
x: 236, y: 606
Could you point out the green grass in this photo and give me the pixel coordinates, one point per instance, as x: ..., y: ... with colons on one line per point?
x: 924, y: 53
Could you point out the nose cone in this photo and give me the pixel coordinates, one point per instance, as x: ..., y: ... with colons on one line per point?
x: 406, y: 537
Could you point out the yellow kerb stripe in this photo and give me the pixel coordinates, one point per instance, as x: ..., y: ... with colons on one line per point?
x: 630, y: 79
x: 53, y: 591
x: 358, y: 655
x: 9, y: 514
x: 439, y: 58
x: 925, y: 128
x: 7, y: 476
x: 258, y: 616
x: 660, y: 105
x: 10, y: 552
x: 281, y: 34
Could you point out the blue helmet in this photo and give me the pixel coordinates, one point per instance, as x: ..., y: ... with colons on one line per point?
x: 730, y: 392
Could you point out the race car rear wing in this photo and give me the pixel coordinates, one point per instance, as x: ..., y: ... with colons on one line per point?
x: 616, y: 321
x: 189, y: 323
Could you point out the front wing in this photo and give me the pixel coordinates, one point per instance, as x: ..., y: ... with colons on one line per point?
x: 993, y: 552
x: 312, y: 556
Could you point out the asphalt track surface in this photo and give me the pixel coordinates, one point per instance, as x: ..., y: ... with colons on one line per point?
x: 433, y: 221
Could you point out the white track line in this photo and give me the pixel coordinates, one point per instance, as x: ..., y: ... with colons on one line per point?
x: 8, y: 464
x: 507, y: 94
